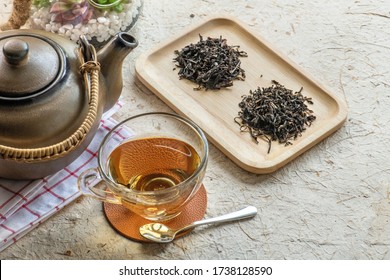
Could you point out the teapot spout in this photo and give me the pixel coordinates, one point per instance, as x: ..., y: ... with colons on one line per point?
x: 111, y: 58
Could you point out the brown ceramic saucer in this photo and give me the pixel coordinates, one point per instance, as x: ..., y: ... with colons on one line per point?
x: 127, y: 223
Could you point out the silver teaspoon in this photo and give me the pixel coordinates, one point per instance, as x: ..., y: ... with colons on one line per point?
x: 162, y: 234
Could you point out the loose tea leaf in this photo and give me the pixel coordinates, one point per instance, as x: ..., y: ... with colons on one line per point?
x: 275, y: 113
x: 210, y: 63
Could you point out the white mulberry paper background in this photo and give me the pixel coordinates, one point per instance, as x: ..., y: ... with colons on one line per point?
x: 330, y: 203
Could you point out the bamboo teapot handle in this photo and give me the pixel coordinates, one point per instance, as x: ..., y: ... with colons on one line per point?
x: 90, y: 69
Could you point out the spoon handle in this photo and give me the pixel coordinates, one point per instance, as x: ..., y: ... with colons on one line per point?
x: 247, y: 212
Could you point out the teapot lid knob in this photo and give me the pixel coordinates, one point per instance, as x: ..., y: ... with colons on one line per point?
x: 16, y: 51
x: 30, y: 65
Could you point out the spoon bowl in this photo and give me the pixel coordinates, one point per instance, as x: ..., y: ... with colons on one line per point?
x: 161, y: 233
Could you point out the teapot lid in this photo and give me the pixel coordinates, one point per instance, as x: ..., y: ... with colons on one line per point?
x: 29, y: 66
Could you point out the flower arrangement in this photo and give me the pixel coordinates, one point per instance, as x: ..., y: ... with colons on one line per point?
x: 98, y: 19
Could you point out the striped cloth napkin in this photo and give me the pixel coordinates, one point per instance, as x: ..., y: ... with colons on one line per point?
x: 26, y: 204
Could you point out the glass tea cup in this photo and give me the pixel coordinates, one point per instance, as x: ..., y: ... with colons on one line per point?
x: 152, y: 163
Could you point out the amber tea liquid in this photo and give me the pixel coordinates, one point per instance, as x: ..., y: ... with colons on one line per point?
x: 153, y: 163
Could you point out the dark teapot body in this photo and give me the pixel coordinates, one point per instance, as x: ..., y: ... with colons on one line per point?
x: 43, y: 109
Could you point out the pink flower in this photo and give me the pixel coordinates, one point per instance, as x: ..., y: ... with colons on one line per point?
x: 71, y: 11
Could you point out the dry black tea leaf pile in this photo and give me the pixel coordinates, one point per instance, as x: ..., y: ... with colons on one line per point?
x: 210, y: 63
x: 275, y: 114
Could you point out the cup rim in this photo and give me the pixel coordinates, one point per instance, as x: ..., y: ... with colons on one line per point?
x: 189, y: 122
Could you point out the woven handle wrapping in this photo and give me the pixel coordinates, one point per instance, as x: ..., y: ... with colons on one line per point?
x: 90, y: 70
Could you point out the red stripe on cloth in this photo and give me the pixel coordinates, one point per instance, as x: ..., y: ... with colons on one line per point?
x: 54, y: 194
x: 115, y: 132
x: 60, y: 181
x: 119, y: 105
x: 92, y: 152
x: 119, y: 134
x: 31, y: 211
x: 15, y: 194
x: 7, y: 228
x: 70, y: 172
x: 106, y: 127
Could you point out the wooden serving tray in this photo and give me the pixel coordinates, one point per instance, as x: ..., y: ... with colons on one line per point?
x: 214, y: 110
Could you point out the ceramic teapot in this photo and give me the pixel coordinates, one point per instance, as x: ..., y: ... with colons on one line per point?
x: 53, y: 93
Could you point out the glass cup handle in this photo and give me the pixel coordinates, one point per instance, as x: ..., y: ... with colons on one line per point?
x: 91, y: 183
